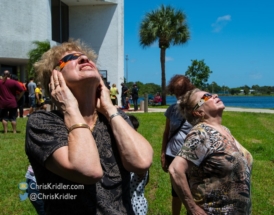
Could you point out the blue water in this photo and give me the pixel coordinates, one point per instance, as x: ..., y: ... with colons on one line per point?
x: 237, y: 101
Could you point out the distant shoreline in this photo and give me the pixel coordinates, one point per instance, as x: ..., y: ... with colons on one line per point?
x: 229, y: 109
x: 252, y: 110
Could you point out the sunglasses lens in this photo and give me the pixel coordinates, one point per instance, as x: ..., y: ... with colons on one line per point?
x: 71, y: 57
x: 206, y: 96
x: 68, y: 58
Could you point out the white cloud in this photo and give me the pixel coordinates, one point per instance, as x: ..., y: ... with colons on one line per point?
x: 256, y: 75
x: 169, y: 59
x: 224, y: 18
x: 220, y: 23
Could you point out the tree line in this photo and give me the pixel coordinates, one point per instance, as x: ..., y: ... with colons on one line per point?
x: 242, y: 90
x: 152, y: 89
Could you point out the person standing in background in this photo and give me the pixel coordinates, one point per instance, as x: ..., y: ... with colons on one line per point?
x: 31, y: 89
x: 175, y: 132
x: 26, y: 93
x: 124, y: 94
x: 130, y: 99
x: 8, y: 100
x: 40, y: 102
x: 113, y: 94
x: 1, y: 77
x: 134, y: 93
x: 33, y: 190
x: 138, y: 183
x: 21, y: 101
x: 108, y: 85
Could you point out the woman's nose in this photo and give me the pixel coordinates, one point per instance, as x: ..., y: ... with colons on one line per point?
x: 215, y: 96
x: 83, y: 59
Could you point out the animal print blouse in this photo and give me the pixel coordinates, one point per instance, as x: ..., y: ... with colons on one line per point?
x: 219, y: 180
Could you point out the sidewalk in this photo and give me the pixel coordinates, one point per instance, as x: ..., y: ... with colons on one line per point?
x: 232, y: 109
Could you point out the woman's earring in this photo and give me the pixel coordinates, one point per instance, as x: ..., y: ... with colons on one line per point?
x: 202, y: 118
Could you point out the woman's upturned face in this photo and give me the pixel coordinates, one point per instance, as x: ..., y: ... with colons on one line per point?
x: 78, y: 68
x: 209, y: 103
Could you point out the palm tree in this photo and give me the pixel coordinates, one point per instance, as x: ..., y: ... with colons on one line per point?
x: 167, y: 26
x: 36, y: 53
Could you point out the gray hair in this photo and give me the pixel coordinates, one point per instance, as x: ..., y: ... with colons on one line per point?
x: 186, y: 104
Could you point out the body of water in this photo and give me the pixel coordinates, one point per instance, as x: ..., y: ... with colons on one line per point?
x: 237, y: 101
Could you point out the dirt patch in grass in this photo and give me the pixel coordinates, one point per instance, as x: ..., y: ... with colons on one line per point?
x: 255, y: 141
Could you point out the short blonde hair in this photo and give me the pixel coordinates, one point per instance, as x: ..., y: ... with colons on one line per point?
x: 113, y: 85
x: 51, y: 58
x: 186, y: 104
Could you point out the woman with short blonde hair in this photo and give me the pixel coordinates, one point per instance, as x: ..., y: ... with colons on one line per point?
x: 83, y: 144
x: 212, y: 171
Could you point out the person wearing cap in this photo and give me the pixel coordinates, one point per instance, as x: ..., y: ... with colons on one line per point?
x: 40, y: 102
x: 8, y: 100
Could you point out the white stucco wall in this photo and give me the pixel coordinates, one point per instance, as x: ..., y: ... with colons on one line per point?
x: 102, y: 28
x: 100, y: 25
x: 22, y: 22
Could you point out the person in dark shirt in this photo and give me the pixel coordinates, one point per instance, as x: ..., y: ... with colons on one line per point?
x: 134, y: 93
x: 8, y: 100
x: 21, y: 101
x: 124, y: 94
x: 81, y: 150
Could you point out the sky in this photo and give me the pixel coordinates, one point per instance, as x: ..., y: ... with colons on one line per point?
x: 235, y: 38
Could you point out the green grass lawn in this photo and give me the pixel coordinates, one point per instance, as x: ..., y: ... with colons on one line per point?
x: 255, y: 131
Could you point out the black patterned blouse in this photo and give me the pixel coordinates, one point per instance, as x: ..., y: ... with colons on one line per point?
x: 46, y: 132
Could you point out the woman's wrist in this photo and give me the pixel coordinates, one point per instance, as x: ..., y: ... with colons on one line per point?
x: 110, y: 112
x: 114, y: 115
x: 72, y: 116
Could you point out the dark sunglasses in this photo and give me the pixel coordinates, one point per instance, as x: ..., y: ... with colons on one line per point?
x: 204, y: 98
x: 67, y: 58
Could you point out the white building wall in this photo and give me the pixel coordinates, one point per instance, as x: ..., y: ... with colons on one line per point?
x: 22, y: 22
x: 102, y: 28
x: 100, y: 25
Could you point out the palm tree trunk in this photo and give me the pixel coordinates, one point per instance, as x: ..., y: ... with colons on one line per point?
x: 163, y: 67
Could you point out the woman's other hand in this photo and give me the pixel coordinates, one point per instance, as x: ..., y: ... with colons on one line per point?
x: 178, y: 169
x: 164, y: 146
x: 60, y: 93
x: 197, y: 211
x: 104, y: 104
x: 163, y: 162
